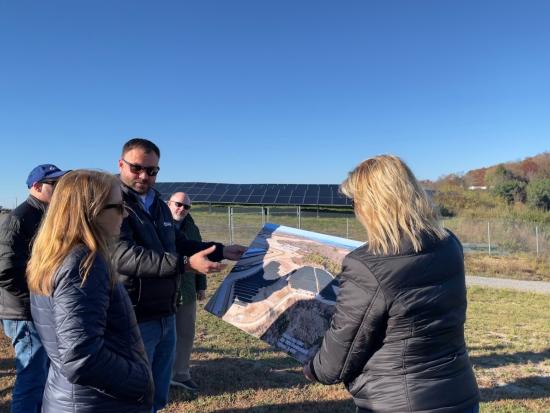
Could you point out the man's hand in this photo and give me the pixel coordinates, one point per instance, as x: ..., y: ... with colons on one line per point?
x: 200, y: 263
x: 201, y: 295
x: 233, y: 252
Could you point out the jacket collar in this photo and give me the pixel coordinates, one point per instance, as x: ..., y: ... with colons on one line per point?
x: 37, y: 203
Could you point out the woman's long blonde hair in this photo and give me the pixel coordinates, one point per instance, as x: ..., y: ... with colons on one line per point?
x: 78, y: 199
x: 391, y: 204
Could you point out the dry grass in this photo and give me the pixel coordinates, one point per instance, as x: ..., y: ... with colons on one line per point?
x: 508, y: 334
x: 519, y: 266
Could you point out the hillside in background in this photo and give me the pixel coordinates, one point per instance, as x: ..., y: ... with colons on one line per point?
x: 517, y: 190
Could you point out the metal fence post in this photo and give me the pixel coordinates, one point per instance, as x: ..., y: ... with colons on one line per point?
x: 347, y: 227
x: 537, y: 238
x: 299, y: 214
x: 489, y: 236
x: 232, y: 226
x: 263, y: 215
x: 230, y: 223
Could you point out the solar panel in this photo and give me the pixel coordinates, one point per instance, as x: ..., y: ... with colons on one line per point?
x: 268, y: 199
x: 257, y: 194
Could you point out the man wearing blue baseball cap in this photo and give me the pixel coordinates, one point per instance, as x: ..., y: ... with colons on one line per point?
x: 16, y: 233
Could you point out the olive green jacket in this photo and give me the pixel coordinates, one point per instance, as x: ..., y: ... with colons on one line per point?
x: 190, y: 282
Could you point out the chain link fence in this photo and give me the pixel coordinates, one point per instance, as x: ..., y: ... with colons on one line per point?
x: 241, y: 224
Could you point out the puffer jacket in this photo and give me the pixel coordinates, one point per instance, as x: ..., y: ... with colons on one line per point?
x: 89, y: 330
x: 396, y: 339
x: 16, y: 233
x: 149, y: 257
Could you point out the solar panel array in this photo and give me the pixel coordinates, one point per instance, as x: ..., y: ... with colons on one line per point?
x: 257, y: 194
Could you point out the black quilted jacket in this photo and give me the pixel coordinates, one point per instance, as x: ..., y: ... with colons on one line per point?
x: 149, y: 257
x: 90, y: 332
x: 16, y: 233
x: 397, y: 337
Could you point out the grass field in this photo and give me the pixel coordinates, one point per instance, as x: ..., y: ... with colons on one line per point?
x: 508, y: 335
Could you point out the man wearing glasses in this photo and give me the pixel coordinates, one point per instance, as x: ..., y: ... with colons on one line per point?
x: 16, y: 233
x: 150, y: 258
x: 192, y: 288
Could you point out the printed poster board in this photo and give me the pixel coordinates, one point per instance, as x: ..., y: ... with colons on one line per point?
x: 283, y: 290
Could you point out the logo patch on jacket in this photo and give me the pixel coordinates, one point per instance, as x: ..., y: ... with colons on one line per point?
x: 167, y: 224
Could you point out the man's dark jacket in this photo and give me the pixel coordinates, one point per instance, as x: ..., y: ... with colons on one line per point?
x: 149, y: 256
x: 90, y: 332
x: 397, y: 337
x: 17, y: 231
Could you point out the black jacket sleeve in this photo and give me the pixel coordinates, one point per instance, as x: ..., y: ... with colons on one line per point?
x: 80, y: 312
x: 134, y: 260
x: 189, y: 247
x: 13, y: 257
x: 355, y: 328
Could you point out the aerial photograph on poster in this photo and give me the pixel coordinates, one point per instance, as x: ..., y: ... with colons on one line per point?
x: 283, y: 289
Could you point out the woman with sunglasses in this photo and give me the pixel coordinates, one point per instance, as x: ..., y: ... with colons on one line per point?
x: 397, y: 337
x: 83, y: 315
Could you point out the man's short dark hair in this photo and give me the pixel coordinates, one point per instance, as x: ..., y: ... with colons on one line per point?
x: 143, y: 144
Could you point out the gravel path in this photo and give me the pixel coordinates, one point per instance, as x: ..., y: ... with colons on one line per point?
x: 532, y: 286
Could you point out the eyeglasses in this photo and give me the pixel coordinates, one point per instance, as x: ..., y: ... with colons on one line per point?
x: 181, y: 204
x: 119, y: 207
x: 52, y: 183
x: 136, y: 169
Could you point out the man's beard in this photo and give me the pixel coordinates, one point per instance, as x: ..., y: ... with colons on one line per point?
x: 142, y: 188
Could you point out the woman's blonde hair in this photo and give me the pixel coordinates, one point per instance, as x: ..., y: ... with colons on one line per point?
x: 391, y: 204
x: 78, y: 199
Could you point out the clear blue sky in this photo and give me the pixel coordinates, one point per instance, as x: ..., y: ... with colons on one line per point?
x: 272, y: 91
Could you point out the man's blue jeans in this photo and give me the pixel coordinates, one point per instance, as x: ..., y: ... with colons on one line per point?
x: 159, y: 338
x: 31, y: 366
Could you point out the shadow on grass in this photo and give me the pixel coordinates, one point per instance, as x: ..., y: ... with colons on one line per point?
x: 498, y: 360
x: 340, y: 406
x: 228, y: 375
x: 7, y: 367
x: 536, y: 387
x: 5, y: 405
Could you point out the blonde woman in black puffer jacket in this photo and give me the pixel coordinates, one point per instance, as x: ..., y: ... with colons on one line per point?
x: 397, y: 337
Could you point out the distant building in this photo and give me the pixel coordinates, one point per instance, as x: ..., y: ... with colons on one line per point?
x: 477, y: 188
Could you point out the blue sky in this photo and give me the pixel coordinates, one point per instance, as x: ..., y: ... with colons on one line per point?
x: 272, y: 91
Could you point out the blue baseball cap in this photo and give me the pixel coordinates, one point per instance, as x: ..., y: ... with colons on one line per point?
x: 43, y: 172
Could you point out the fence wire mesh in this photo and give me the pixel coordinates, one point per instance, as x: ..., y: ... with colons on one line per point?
x: 241, y: 224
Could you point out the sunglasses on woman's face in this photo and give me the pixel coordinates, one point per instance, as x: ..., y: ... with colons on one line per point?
x: 136, y: 169
x: 119, y: 207
x: 181, y: 204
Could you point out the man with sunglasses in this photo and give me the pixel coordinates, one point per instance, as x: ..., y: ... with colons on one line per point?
x: 16, y: 233
x: 150, y: 258
x: 192, y: 288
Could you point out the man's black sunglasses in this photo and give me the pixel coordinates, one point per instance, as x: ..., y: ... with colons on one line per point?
x: 181, y: 204
x: 119, y: 207
x: 136, y: 169
x: 52, y: 183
